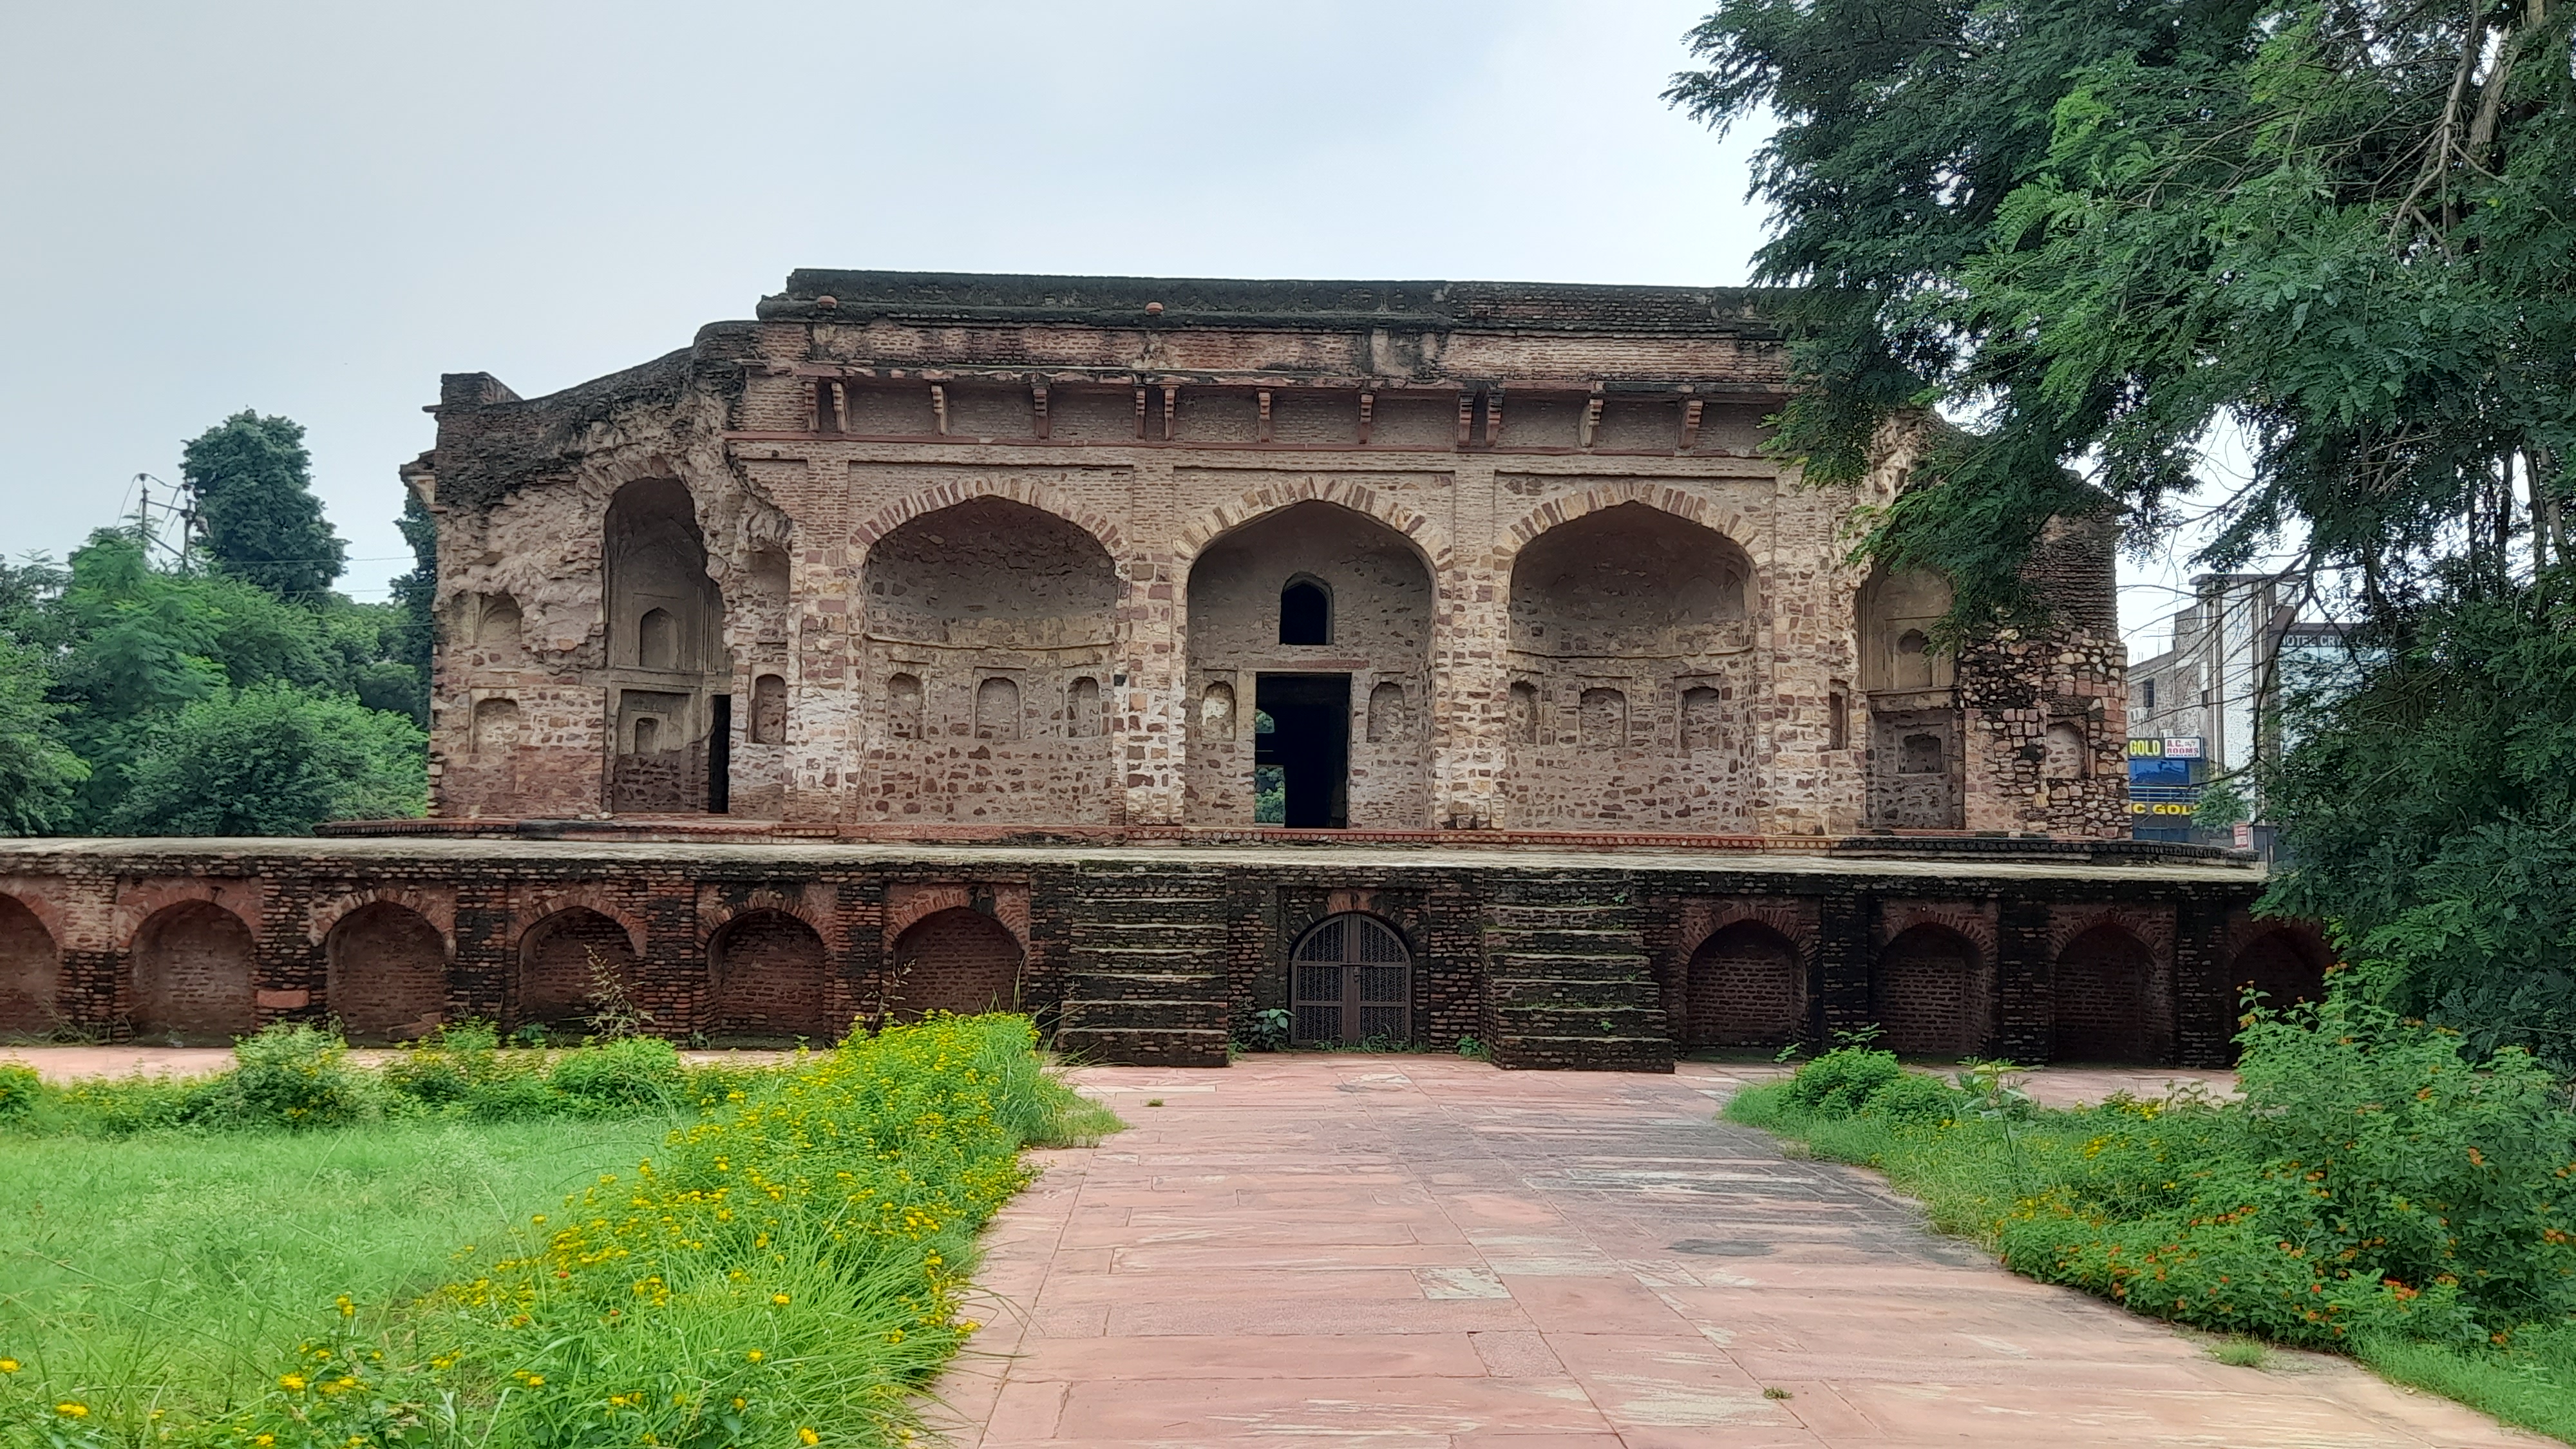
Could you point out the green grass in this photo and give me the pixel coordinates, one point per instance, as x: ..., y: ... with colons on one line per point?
x: 177, y: 1270
x: 681, y: 1259
x: 2047, y: 1190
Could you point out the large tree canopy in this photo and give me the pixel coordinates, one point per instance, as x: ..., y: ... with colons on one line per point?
x: 254, y: 485
x: 2101, y: 230
x: 2105, y: 235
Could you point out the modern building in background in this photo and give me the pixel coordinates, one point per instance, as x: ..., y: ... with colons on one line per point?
x: 2209, y: 706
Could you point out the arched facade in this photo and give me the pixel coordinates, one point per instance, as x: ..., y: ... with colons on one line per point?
x: 769, y: 980
x: 1632, y: 659
x: 192, y: 965
x: 981, y: 618
x: 809, y: 585
x: 1746, y: 987
x: 387, y: 973
x: 30, y: 973
x: 1346, y: 745
x: 959, y: 960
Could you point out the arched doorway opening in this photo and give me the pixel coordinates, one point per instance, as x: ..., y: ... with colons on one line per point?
x: 1745, y: 989
x: 387, y: 973
x: 31, y: 973
x: 1932, y: 995
x: 2102, y: 1000
x: 770, y: 981
x: 982, y: 620
x: 958, y: 960
x: 192, y: 976
x: 558, y: 981
x: 1318, y: 617
x: 1624, y: 622
x: 1350, y: 983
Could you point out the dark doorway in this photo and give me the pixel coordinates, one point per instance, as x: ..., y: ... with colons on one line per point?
x: 1309, y: 743
x: 720, y: 758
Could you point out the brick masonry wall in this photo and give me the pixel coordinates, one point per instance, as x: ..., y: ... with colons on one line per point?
x: 154, y: 938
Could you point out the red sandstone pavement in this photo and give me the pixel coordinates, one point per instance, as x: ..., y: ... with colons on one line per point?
x: 1407, y: 1252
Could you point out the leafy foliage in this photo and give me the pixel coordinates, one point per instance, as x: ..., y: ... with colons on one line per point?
x: 141, y: 696
x: 2109, y: 235
x: 38, y: 771
x: 254, y: 484
x: 271, y: 760
x: 2447, y: 868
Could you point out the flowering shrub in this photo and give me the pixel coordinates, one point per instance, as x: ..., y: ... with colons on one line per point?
x: 788, y: 1270
x: 2369, y: 1183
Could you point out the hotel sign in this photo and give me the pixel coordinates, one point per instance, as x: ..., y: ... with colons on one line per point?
x: 2169, y: 747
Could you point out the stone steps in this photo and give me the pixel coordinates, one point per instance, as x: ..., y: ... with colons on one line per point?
x: 1568, y: 984
x: 1145, y: 982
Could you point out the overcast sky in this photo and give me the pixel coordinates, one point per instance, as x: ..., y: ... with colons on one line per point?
x: 315, y: 209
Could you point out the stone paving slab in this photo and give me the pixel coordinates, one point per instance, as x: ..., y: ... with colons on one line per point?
x: 1427, y: 1253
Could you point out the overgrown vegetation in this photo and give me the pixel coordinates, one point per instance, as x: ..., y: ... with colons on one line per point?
x: 300, y: 1077
x: 2374, y: 1191
x: 2113, y: 240
x: 786, y: 1267
x: 220, y: 687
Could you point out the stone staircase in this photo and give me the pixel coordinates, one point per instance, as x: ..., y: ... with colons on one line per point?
x: 1145, y: 984
x: 1567, y: 985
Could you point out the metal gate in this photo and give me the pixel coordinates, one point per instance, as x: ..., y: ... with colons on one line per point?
x: 1351, y: 981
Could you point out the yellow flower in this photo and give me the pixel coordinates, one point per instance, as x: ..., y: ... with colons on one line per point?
x: 347, y: 1308
x: 264, y: 1440
x: 536, y: 1380
x: 292, y: 1383
x: 71, y: 1410
x: 754, y: 1355
x: 8, y: 1365
x: 778, y: 1298
x: 738, y: 1402
x: 808, y: 1436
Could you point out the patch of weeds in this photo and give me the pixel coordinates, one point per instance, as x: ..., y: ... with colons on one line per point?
x: 2237, y: 1351
x: 1776, y: 1392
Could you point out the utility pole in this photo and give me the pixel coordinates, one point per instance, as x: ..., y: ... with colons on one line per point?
x: 182, y: 509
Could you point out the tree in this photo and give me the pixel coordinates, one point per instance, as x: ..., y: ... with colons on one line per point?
x: 38, y: 771
x: 2105, y: 235
x: 272, y: 760
x: 254, y: 486
x: 414, y: 640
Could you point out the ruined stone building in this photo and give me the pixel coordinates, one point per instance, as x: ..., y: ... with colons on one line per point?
x: 1420, y: 660
x: 1065, y: 551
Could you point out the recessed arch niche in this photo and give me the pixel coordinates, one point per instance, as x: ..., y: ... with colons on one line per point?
x: 192, y: 976
x: 30, y: 972
x: 770, y: 980
x: 1915, y: 770
x: 2103, y: 1000
x: 666, y: 657
x: 1633, y: 674
x: 959, y: 960
x: 1307, y: 614
x: 980, y: 616
x: 555, y: 985
x: 387, y: 976
x: 1746, y: 988
x: 1932, y: 994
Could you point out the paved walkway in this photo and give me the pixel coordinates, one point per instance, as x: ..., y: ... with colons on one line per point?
x: 1407, y: 1252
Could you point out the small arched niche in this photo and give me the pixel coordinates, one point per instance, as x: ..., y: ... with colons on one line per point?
x: 565, y: 963
x: 770, y: 981
x: 1305, y: 612
x: 30, y: 972
x: 192, y: 976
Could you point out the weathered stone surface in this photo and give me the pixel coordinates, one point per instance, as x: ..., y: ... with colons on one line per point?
x: 920, y: 549
x: 1552, y: 957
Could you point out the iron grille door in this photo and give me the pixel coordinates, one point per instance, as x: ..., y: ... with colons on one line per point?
x: 1351, y: 981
